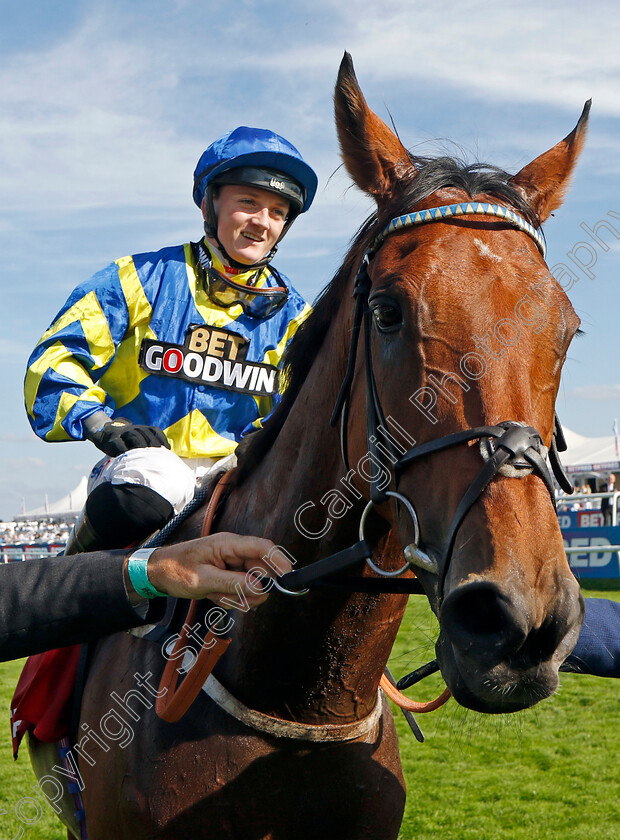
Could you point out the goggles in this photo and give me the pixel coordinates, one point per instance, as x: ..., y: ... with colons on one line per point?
x: 259, y: 303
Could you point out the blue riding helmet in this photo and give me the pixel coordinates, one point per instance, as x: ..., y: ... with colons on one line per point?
x: 260, y: 149
x: 263, y: 159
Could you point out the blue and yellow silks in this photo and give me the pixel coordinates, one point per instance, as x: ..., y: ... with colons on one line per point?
x: 90, y: 357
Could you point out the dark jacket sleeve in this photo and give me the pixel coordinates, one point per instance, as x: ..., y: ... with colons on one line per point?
x: 62, y: 601
x: 598, y: 647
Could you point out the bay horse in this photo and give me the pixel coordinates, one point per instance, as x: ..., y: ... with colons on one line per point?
x: 464, y: 330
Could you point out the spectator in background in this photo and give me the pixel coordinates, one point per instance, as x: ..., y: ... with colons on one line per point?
x: 585, y: 489
x: 607, y: 502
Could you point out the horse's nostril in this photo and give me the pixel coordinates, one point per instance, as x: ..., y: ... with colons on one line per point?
x: 482, y: 622
x: 484, y: 613
x: 538, y: 647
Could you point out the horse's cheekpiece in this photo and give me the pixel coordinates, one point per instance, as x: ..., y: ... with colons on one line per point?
x: 413, y: 555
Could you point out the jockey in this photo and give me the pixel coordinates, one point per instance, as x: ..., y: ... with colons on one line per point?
x: 163, y: 359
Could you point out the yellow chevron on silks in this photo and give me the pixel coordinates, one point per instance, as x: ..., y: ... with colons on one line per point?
x: 138, y: 306
x: 264, y: 406
x: 214, y: 317
x: 58, y: 358
x: 66, y: 403
x: 122, y: 379
x: 163, y: 288
x: 193, y: 437
x: 87, y: 311
x: 274, y: 357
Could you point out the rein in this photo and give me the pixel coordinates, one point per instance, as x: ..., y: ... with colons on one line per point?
x: 174, y: 700
x: 317, y: 732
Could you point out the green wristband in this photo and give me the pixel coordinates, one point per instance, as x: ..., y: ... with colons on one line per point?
x: 138, y: 575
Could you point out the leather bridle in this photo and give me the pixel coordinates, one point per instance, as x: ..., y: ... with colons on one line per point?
x: 510, y: 443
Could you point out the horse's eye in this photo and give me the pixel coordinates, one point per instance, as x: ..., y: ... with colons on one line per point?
x: 387, y: 314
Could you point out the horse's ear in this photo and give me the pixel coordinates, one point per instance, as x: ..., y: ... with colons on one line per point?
x: 374, y: 156
x: 545, y: 180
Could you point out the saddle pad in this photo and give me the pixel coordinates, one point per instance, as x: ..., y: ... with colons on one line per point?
x: 43, y: 697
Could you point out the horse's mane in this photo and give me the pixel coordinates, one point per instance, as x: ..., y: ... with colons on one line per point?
x: 429, y: 175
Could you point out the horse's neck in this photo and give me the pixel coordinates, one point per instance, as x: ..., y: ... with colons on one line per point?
x: 320, y: 654
x: 301, y: 466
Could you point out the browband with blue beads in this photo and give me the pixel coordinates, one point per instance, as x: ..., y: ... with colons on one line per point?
x: 437, y: 214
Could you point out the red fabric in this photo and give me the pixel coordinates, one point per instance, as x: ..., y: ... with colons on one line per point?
x: 42, y: 699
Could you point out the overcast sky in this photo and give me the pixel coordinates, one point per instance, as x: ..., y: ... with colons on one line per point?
x: 106, y: 106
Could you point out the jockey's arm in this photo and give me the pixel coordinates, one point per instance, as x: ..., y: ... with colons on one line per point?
x: 62, y: 388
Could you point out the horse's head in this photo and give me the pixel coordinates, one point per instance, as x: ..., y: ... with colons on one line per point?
x: 467, y: 328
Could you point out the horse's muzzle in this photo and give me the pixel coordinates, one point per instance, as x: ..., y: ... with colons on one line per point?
x: 493, y: 658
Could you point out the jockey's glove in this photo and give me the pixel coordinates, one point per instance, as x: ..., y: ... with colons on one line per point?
x: 119, y: 435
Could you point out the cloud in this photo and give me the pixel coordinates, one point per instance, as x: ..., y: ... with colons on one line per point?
x: 595, y: 392
x: 554, y: 53
x: 12, y: 467
x: 111, y: 115
x: 103, y: 120
x: 82, y: 123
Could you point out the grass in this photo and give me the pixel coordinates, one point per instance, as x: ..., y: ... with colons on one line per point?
x: 17, y: 779
x: 550, y: 772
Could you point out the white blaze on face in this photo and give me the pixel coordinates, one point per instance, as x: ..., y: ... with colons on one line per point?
x: 485, y: 251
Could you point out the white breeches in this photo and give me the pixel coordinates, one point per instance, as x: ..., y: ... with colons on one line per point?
x: 160, y: 469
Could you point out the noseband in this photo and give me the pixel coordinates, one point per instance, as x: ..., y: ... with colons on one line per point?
x: 510, y: 443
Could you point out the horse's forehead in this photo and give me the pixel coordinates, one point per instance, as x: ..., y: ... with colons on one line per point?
x: 444, y: 261
x: 479, y: 272
x: 444, y: 248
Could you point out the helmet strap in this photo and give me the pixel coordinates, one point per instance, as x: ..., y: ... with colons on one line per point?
x: 205, y: 260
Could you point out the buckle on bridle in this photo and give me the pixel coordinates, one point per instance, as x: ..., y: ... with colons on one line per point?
x: 523, y: 444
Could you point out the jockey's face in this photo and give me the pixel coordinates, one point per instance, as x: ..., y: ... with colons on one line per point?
x: 249, y: 221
